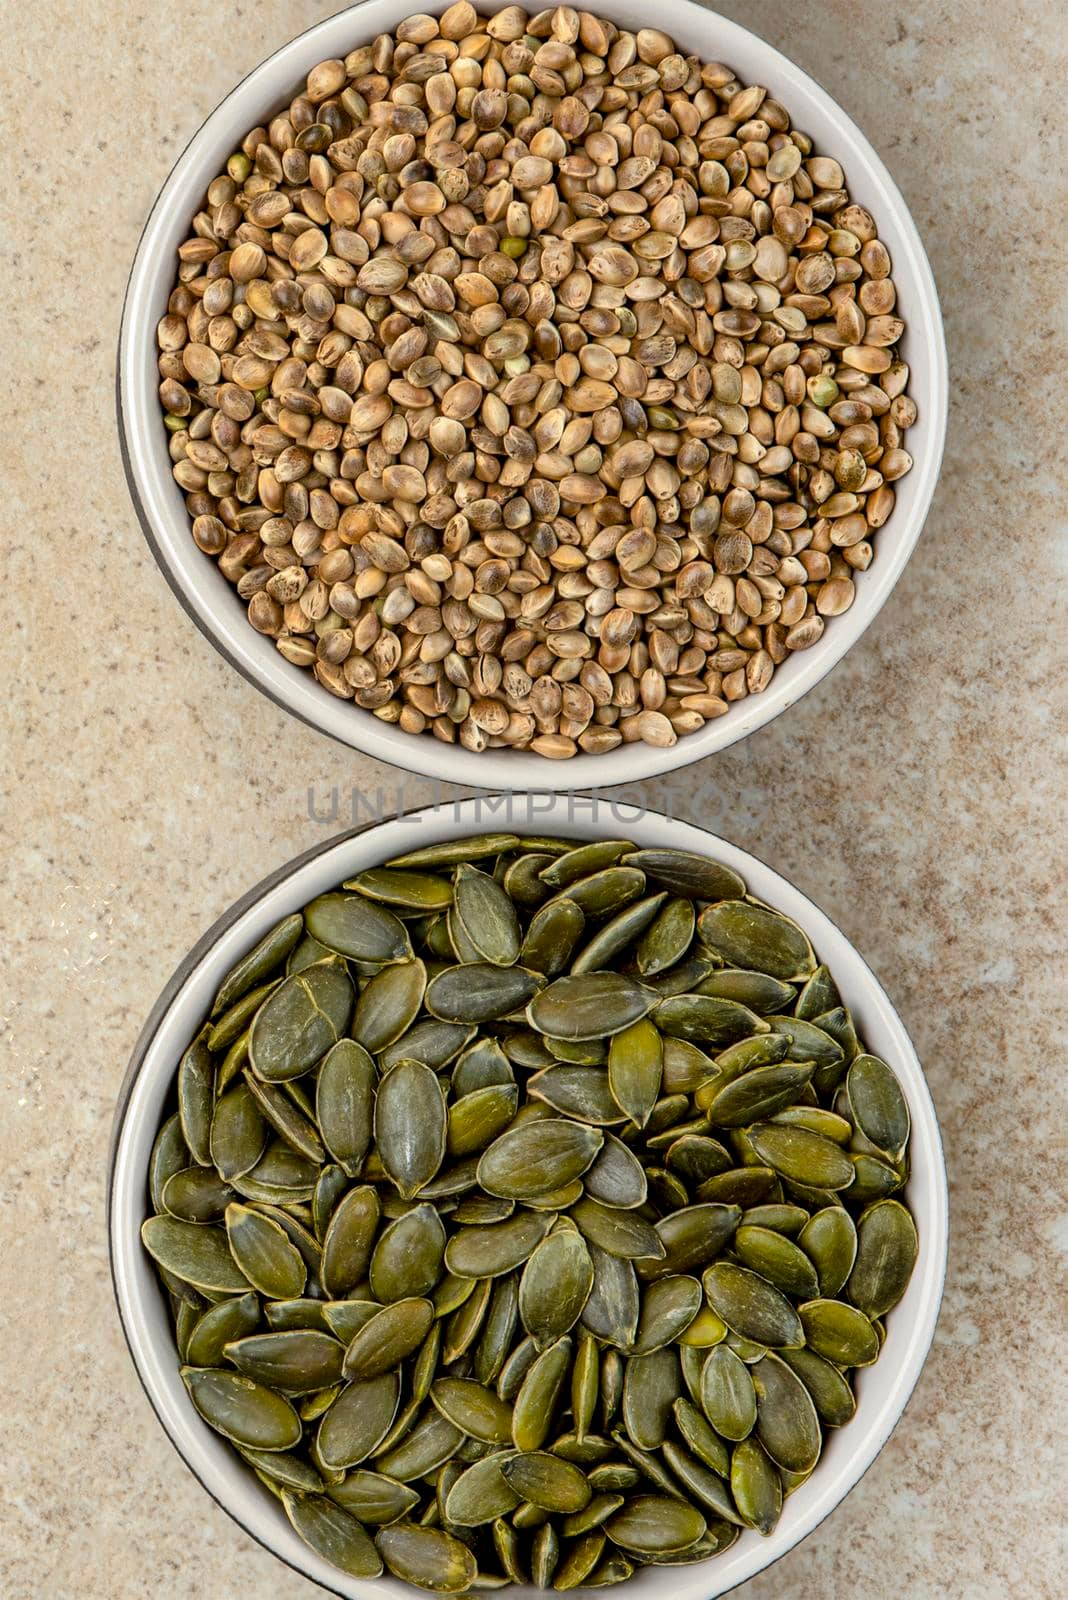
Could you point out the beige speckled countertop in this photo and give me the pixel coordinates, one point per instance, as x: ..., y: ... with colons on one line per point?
x: 917, y: 794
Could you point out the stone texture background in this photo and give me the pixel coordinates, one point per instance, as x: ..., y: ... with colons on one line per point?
x: 917, y: 794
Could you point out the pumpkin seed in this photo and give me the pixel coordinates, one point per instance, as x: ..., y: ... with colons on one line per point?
x: 428, y: 1557
x: 196, y: 1098
x: 551, y: 937
x: 778, y: 1260
x: 579, y: 861
x: 651, y: 1385
x: 260, y: 961
x: 752, y: 1307
x: 558, y: 1487
x: 344, y: 1103
x: 430, y: 1041
x: 614, y: 1304
x: 196, y: 1254
x: 839, y: 1333
x: 617, y: 1177
x: 807, y: 1042
x: 481, y: 1493
x: 535, y: 1158
x: 555, y: 1286
x: 373, y: 1497
x: 829, y: 1239
x: 300, y: 1020
x: 691, y: 1237
x: 755, y: 1486
x: 834, y: 1400
x: 487, y: 914
x: 579, y: 1560
x: 392, y: 886
x: 819, y: 994
x: 388, y: 1337
x: 756, y: 990
x: 655, y: 1523
x: 701, y: 1484
x: 532, y: 1414
x: 668, y: 1308
x: 685, y: 872
x: 196, y: 1194
x: 668, y: 937
x: 635, y: 1067
x: 593, y: 1005
x: 751, y: 936
x: 238, y: 1134
x: 358, y: 1421
x: 408, y: 1255
x: 245, y: 1412
x: 284, y: 1470
x: 581, y: 1092
x: 410, y: 1125
x: 452, y: 852
x: 887, y: 1247
x: 473, y: 1408
x: 617, y: 934
x: 757, y: 1093
x: 479, y: 992
x: 701, y: 1437
x: 501, y: 1247
x: 349, y: 1241
x: 620, y: 1233
x: 728, y: 1398
x: 217, y: 1326
x: 803, y: 1157
x: 293, y: 1361
x: 879, y: 1108
x: 705, y: 1019
x: 266, y: 1257
x: 786, y: 1422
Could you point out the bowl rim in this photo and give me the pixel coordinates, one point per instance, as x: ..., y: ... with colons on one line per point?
x: 580, y: 816
x: 164, y: 520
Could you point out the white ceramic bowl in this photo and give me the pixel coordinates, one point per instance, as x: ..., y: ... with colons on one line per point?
x: 211, y: 601
x: 883, y: 1389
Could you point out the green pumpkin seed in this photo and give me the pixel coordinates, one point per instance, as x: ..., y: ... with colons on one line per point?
x: 501, y: 1247
x: 300, y: 1020
x: 685, y: 1067
x: 216, y: 1326
x: 451, y: 852
x: 236, y: 1019
x: 517, y: 1365
x: 170, y: 1154
x: 479, y: 992
x: 245, y: 1412
x: 388, y: 1337
x: 684, y: 872
x: 829, y: 1239
x: 834, y: 1400
x: 558, y: 1487
x: 668, y: 1308
x: 238, y: 1134
x: 483, y: 1066
x: 755, y: 1486
x: 878, y: 1106
x: 614, y: 1304
x: 696, y: 1158
x: 820, y: 994
x: 581, y: 1092
x: 780, y: 1217
x: 707, y: 1487
x: 617, y: 934
x: 617, y: 1177
x: 667, y: 939
x: 476, y: 1119
x: 620, y: 1233
x: 349, y: 1241
x: 263, y: 1252
x: 758, y: 1093
x: 578, y: 1561
x: 542, y: 1386
x: 706, y: 1329
x: 197, y: 1194
x: 701, y: 1437
x: 887, y: 1247
x: 194, y: 1254
x: 280, y: 1177
x: 614, y: 1477
x: 613, y: 1569
x: 358, y: 1421
x: 691, y: 1237
x: 431, y: 1442
x: 756, y: 990
x: 751, y: 936
x: 301, y: 1312
x: 388, y: 1004
x: 481, y: 1494
x: 802, y: 1157
x: 778, y: 1260
x: 585, y: 1382
x: 657, y: 1523
x: 752, y: 1307
x: 487, y: 914
x: 817, y: 1120
x: 430, y: 1041
x: 390, y: 886
x: 430, y: 1558
x: 728, y: 1398
x: 374, y: 1498
x: 635, y: 1067
x: 786, y: 1422
x: 705, y: 1019
x: 344, y: 1103
x: 196, y: 1099
x: 333, y: 1534
x: 271, y: 951
x: 651, y: 1385
x: 872, y: 1179
x: 287, y: 1121
x: 594, y: 1005
x: 544, y: 1555
x: 408, y: 1256
x: 284, y: 1470
x: 535, y: 1158
x: 839, y: 1333
x: 474, y: 1409
x: 809, y: 1043
x: 551, y: 937
x: 294, y: 1361
x: 410, y: 1125
x: 555, y: 1286
x: 580, y: 861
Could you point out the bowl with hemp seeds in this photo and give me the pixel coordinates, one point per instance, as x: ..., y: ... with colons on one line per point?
x: 536, y: 1209
x: 536, y: 385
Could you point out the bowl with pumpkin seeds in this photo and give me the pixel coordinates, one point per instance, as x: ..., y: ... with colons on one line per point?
x: 534, y: 1194
x: 541, y: 386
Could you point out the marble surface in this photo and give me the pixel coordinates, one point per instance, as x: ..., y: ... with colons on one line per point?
x: 917, y: 794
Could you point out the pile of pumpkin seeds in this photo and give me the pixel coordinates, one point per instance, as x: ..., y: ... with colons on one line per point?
x: 527, y: 1209
x: 536, y: 384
